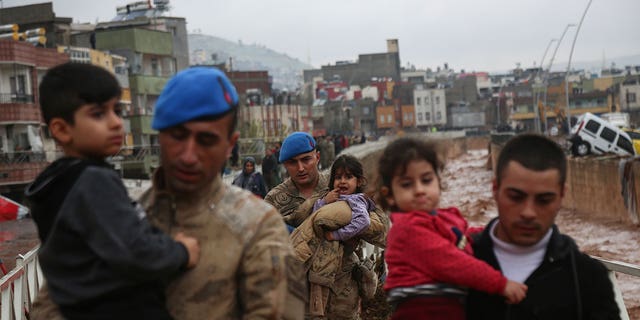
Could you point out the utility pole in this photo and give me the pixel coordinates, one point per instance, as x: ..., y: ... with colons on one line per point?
x: 537, y: 94
x: 566, y: 82
x: 546, y: 78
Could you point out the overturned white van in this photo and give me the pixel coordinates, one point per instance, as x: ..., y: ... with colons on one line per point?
x: 592, y: 134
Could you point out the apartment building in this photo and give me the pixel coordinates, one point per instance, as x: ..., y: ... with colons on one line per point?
x: 25, y: 145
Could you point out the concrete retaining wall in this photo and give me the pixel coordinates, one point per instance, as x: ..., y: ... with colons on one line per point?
x: 595, y: 187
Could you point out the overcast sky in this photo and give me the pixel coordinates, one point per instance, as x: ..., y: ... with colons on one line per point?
x: 475, y: 35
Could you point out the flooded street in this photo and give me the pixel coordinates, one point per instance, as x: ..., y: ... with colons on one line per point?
x: 467, y: 183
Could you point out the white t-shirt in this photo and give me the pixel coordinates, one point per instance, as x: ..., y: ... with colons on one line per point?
x: 518, y: 262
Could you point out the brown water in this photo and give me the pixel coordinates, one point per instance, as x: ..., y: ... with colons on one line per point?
x: 16, y: 237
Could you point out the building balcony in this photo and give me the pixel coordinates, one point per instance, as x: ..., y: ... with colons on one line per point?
x: 21, y: 167
x: 16, y: 98
x: 18, y: 108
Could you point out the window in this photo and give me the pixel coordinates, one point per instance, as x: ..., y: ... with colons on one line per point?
x: 17, y: 84
x: 625, y: 144
x: 389, y: 118
x: 427, y: 116
x: 592, y: 126
x: 418, y: 101
x: 634, y: 135
x: 608, y: 134
x: 419, y: 116
x: 437, y: 100
x: 382, y: 118
x: 154, y: 67
x: 438, y: 116
x: 631, y: 97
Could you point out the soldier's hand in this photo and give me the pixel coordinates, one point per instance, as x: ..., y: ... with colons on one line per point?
x: 332, y: 196
x: 193, y: 248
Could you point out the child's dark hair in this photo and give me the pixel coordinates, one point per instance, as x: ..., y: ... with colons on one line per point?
x: 66, y: 87
x: 349, y: 164
x: 397, y: 155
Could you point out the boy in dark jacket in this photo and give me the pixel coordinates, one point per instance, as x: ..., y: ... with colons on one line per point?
x: 101, y: 258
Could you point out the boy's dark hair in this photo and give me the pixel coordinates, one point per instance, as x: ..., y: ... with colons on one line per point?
x: 534, y: 152
x: 66, y: 87
x: 397, y: 155
x: 349, y: 164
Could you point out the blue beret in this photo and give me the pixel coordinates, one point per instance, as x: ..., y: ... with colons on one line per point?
x: 295, y: 144
x: 194, y: 93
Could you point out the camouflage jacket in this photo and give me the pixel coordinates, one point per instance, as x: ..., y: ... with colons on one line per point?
x: 246, y: 260
x: 343, y: 299
x: 293, y: 207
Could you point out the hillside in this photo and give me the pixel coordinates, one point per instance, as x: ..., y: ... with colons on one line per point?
x: 286, y: 71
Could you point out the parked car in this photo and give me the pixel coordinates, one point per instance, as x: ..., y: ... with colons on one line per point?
x: 592, y: 134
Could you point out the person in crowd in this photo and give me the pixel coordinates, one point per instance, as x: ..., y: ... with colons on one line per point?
x: 235, y: 156
x: 337, y: 144
x: 250, y: 179
x: 247, y: 269
x: 429, y: 260
x: 295, y: 197
x: 526, y: 245
x: 280, y: 171
x: 100, y: 258
x: 269, y: 169
x: 331, y: 151
x: 323, y: 147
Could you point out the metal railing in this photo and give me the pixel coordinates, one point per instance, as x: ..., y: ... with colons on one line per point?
x: 16, y: 98
x: 19, y: 287
x: 21, y: 157
x: 620, y: 267
x: 135, y: 153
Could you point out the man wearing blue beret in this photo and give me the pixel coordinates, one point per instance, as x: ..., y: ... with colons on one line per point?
x: 294, y: 198
x: 246, y: 268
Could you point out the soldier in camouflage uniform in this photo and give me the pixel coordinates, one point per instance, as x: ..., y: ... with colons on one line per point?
x: 294, y: 198
x: 246, y: 268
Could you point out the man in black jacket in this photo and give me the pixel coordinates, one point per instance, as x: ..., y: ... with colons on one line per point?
x: 526, y: 245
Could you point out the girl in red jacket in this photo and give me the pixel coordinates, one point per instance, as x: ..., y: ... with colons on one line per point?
x: 429, y: 260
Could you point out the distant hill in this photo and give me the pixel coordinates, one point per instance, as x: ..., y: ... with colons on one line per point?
x: 286, y: 71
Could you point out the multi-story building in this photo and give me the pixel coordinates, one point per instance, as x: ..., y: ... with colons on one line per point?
x: 386, y: 119
x: 430, y: 106
x: 375, y: 66
x: 155, y: 48
x: 26, y: 147
x: 41, y: 15
x: 629, y: 94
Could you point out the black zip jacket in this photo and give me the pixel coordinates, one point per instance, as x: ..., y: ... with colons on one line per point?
x: 567, y: 285
x: 100, y: 256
